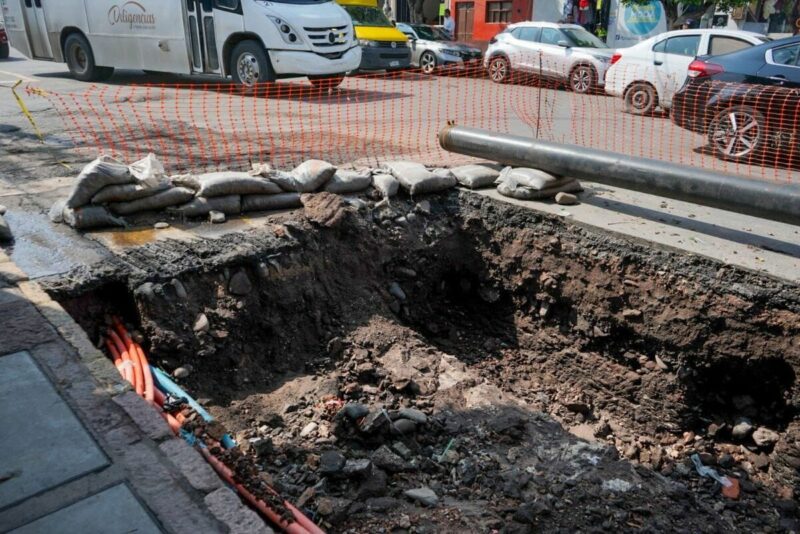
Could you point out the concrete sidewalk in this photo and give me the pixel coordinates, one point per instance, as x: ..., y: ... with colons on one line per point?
x: 81, y: 452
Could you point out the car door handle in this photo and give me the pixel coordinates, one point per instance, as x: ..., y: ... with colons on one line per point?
x: 657, y: 63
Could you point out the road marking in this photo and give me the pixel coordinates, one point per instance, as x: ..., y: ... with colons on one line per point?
x: 18, y: 76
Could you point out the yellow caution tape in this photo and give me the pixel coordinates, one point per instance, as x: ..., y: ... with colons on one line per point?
x: 25, y: 111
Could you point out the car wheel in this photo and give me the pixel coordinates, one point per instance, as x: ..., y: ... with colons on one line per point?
x: 737, y: 133
x: 582, y: 79
x: 499, y: 69
x: 641, y: 99
x: 80, y: 60
x: 5, y: 51
x: 250, y: 66
x: 327, y: 82
x: 427, y: 63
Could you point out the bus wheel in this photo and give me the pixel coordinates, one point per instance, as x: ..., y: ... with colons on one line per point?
x: 80, y: 60
x: 250, y: 66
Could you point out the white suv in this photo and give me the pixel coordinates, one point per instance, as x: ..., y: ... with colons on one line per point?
x: 649, y: 73
x: 563, y: 52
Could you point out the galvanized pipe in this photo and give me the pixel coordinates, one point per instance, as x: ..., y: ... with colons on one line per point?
x: 778, y: 202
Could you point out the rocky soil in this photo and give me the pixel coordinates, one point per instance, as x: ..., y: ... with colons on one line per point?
x: 459, y: 365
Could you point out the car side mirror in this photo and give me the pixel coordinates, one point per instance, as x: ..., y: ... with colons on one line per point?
x: 563, y: 43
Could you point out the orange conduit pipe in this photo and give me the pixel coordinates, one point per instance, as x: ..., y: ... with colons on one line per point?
x: 144, y: 385
x: 261, y: 506
x: 136, y: 352
x: 127, y: 360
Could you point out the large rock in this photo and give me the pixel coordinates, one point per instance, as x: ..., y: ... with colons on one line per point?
x: 240, y: 284
x: 331, y: 462
x: 742, y: 430
x: 425, y: 496
x: 388, y: 460
x: 764, y: 437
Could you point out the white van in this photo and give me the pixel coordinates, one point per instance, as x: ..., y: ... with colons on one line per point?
x: 250, y: 40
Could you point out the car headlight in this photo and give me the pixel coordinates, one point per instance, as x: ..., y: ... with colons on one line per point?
x: 288, y: 34
x: 367, y: 42
x: 450, y: 52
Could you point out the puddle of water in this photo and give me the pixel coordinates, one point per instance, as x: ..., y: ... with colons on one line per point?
x: 42, y: 248
x: 133, y: 238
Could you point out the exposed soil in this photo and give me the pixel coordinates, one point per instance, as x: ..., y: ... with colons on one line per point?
x: 532, y: 374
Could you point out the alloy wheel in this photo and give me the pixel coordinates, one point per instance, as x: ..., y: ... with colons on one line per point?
x: 581, y: 79
x: 248, y: 70
x: 736, y: 133
x: 498, y: 70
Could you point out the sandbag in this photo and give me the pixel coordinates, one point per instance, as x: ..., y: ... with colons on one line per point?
x: 476, y: 176
x: 271, y: 202
x: 306, y: 177
x: 418, y: 180
x: 386, y: 184
x: 530, y: 184
x: 219, y: 184
x: 90, y: 217
x: 127, y: 192
x: 148, y: 171
x: 161, y: 200
x: 95, y: 176
x: 56, y: 213
x: 344, y: 182
x: 201, y: 206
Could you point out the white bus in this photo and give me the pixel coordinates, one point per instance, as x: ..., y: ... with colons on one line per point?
x: 252, y: 41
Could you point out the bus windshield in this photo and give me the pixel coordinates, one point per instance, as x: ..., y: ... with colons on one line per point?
x: 368, y: 16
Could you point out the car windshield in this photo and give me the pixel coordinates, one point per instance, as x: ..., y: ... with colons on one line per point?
x: 429, y: 33
x: 300, y: 1
x: 583, y: 38
x: 368, y: 16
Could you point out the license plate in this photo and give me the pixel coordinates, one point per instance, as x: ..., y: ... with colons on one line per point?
x: 394, y: 63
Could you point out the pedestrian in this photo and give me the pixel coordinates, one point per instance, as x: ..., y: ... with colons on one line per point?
x: 449, y: 24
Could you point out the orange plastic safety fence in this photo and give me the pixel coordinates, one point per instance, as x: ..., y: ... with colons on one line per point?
x: 749, y: 130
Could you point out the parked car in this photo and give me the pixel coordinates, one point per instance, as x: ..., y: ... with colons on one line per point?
x: 747, y: 102
x: 649, y: 73
x: 432, y: 47
x: 563, y: 52
x: 5, y: 49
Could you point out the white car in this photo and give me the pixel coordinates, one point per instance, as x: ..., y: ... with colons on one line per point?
x: 649, y: 73
x: 562, y: 52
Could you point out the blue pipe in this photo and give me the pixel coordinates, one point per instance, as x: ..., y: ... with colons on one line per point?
x: 169, y: 387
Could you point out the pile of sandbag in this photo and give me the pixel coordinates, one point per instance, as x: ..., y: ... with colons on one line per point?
x: 107, y: 189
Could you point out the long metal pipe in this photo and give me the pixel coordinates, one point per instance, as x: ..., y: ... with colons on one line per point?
x: 778, y: 202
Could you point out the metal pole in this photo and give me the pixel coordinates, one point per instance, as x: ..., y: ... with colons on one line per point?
x: 778, y: 202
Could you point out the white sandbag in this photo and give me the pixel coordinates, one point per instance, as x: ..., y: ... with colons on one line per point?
x: 148, y: 171
x: 201, y: 206
x: 344, y: 182
x: 306, y: 177
x: 535, y: 186
x: 533, y: 178
x: 418, y: 180
x: 271, y: 202
x: 95, y: 176
x: 90, y: 217
x: 477, y: 175
x: 127, y: 192
x: 220, y: 184
x: 386, y: 184
x: 164, y: 199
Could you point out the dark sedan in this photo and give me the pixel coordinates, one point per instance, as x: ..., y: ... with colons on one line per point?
x: 747, y: 102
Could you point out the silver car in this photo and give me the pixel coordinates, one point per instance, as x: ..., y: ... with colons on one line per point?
x: 431, y: 48
x: 562, y: 52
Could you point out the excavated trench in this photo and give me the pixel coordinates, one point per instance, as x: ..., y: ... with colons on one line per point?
x: 533, y: 374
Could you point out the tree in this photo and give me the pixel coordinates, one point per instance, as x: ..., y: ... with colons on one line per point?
x: 672, y: 12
